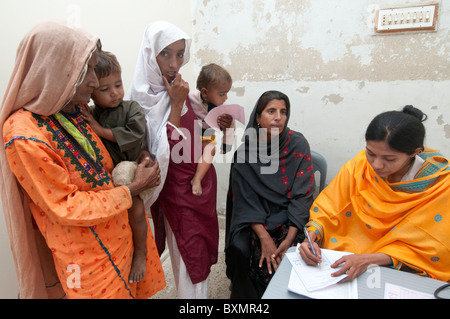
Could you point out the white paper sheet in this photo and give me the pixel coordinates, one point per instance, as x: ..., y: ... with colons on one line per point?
x: 347, y: 290
x: 392, y: 291
x: 235, y: 110
x: 316, y: 277
x: 316, y: 281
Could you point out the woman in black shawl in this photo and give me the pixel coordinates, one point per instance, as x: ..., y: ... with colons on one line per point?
x: 271, y: 191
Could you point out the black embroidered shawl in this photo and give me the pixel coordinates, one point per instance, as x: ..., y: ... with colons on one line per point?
x: 270, y: 184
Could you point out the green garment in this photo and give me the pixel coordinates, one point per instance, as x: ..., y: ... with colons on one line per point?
x: 127, y: 122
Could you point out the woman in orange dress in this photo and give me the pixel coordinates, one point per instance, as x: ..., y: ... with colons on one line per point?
x: 389, y: 205
x: 77, y: 242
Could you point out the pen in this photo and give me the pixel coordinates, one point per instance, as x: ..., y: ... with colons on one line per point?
x: 309, y: 240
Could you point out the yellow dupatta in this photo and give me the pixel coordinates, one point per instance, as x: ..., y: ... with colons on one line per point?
x: 362, y: 213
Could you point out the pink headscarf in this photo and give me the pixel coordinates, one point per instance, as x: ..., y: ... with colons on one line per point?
x: 51, y: 62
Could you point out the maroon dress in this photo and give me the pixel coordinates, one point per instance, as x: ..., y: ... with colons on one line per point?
x: 193, y: 219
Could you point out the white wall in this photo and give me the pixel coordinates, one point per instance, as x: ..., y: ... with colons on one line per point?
x: 120, y: 26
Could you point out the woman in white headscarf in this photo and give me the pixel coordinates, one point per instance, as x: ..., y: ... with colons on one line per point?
x: 149, y: 90
x: 190, y: 221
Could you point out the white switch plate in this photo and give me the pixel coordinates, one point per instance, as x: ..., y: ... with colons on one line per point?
x: 420, y: 18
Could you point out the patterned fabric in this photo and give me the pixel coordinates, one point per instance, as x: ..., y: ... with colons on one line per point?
x: 81, y: 215
x: 275, y: 198
x: 362, y: 213
x: 427, y: 175
x: 75, y: 133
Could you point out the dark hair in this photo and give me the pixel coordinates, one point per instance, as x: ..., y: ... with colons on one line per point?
x: 107, y: 64
x: 265, y: 98
x: 401, y: 130
x: 212, y: 74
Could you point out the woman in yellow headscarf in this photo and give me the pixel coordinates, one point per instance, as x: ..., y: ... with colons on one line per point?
x: 390, y: 205
x: 67, y: 223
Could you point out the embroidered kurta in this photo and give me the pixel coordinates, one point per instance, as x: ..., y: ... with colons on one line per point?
x: 360, y: 212
x: 79, y: 212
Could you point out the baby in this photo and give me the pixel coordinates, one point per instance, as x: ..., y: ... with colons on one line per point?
x: 213, y: 85
x: 121, y: 125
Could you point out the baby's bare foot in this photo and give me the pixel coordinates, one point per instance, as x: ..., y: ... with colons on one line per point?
x: 137, y: 272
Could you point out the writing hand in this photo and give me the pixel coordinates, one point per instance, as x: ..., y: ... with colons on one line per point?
x: 307, y: 254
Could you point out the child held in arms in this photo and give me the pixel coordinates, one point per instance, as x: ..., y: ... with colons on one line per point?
x: 121, y: 125
x: 213, y: 85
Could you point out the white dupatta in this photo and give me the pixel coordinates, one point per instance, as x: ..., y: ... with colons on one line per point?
x: 147, y: 88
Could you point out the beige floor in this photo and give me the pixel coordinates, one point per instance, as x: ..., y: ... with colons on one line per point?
x: 218, y: 281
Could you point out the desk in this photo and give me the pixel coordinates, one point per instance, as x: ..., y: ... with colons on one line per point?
x: 370, y: 284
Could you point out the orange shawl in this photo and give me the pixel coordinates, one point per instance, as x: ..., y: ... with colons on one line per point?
x: 362, y: 213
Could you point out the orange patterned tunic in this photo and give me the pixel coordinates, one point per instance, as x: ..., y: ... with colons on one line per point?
x: 81, y: 215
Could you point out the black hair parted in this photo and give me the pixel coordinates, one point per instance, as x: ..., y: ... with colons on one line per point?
x: 268, y: 96
x: 401, y: 130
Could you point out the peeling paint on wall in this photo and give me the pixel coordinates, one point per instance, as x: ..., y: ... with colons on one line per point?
x: 333, y: 98
x: 447, y: 130
x: 440, y: 121
x: 303, y: 89
x: 240, y: 91
x: 318, y: 40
